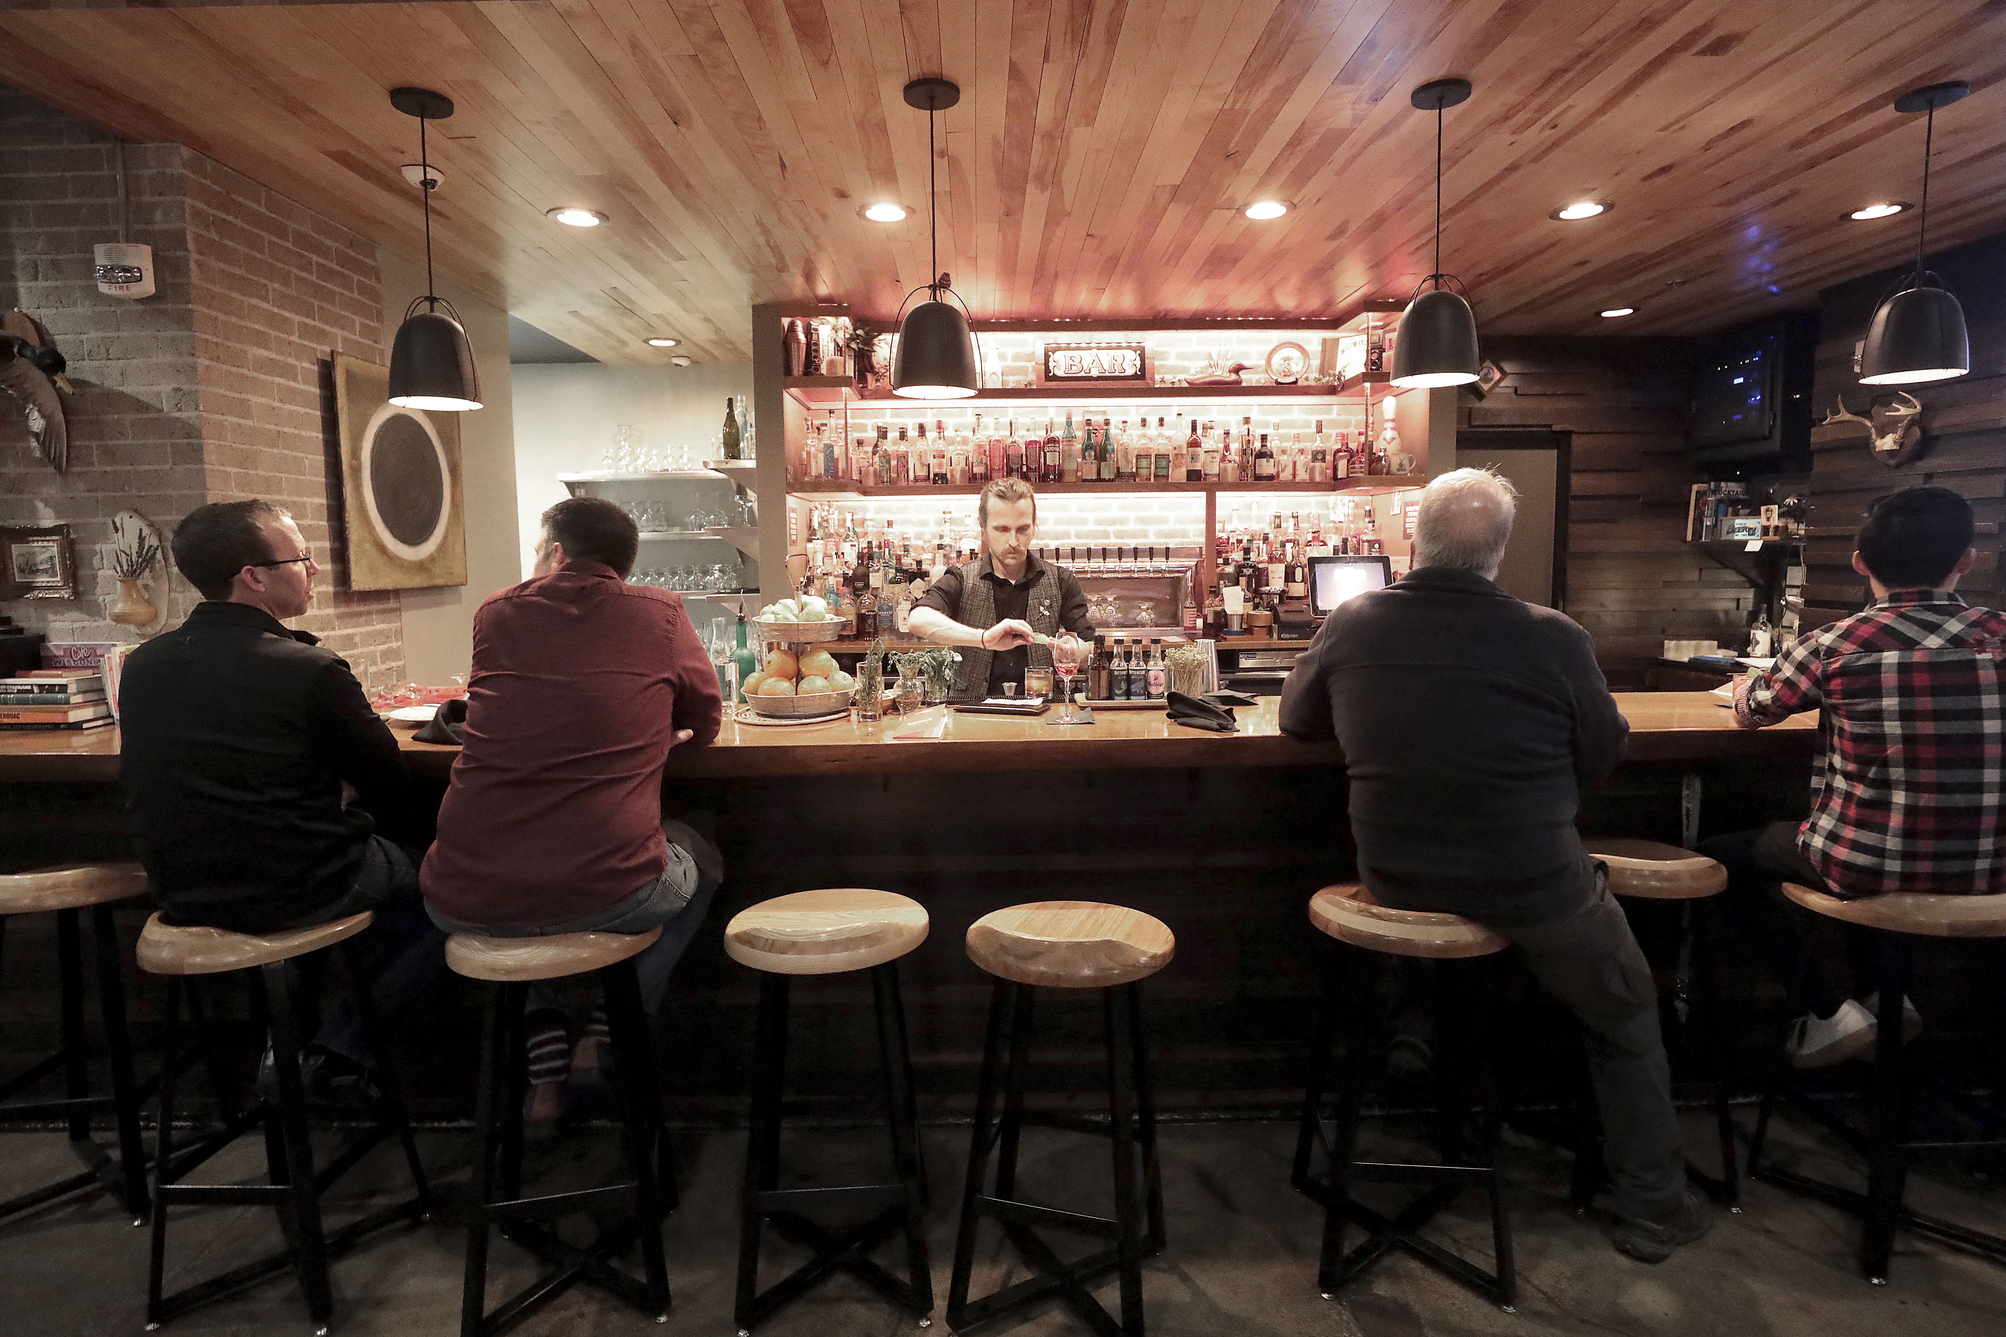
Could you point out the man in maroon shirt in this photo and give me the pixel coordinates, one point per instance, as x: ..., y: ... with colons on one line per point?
x: 580, y: 686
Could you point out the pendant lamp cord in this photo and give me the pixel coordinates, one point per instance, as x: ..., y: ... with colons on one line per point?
x: 1437, y: 275
x: 425, y: 187
x: 1922, y: 222
x: 933, y: 205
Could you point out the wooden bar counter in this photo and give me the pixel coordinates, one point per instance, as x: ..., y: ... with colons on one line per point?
x: 1223, y: 837
x: 1666, y: 729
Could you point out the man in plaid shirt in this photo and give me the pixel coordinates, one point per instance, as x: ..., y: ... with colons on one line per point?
x: 1912, y: 795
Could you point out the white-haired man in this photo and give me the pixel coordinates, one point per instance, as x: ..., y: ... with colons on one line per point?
x: 1469, y: 721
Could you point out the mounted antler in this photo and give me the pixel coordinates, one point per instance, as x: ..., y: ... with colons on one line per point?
x: 1893, y: 431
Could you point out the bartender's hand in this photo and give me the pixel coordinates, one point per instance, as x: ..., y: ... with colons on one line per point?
x: 1008, y: 633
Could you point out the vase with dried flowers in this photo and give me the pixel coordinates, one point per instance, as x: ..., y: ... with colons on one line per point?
x: 130, y: 562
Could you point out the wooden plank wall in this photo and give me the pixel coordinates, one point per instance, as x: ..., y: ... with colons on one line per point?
x: 1964, y: 423
x: 1632, y: 580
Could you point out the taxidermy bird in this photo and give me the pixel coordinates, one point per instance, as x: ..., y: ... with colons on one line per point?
x: 32, y: 369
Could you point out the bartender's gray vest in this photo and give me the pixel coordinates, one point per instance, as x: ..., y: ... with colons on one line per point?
x: 978, y: 610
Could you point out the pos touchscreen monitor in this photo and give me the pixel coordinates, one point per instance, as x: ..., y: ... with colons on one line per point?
x: 1332, y: 580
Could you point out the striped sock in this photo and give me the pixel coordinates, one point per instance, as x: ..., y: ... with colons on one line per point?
x: 549, y: 1048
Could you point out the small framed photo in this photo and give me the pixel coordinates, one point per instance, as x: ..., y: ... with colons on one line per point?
x: 1739, y: 528
x: 37, y: 563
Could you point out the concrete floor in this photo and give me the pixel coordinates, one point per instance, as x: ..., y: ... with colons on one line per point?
x: 1241, y: 1259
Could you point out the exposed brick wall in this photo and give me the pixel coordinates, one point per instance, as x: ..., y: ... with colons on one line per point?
x: 135, y: 433
x: 276, y: 289
x: 211, y: 390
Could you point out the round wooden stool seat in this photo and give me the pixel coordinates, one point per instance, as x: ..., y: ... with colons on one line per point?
x: 1348, y: 913
x: 166, y: 950
x: 514, y: 960
x: 826, y: 931
x: 1652, y: 870
x: 70, y: 886
x: 1911, y: 912
x: 1070, y: 944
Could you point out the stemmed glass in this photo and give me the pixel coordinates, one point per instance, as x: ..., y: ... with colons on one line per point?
x: 1065, y: 663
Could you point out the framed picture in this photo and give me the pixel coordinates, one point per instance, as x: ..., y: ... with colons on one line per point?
x: 37, y: 563
x: 402, y: 499
x: 1287, y: 363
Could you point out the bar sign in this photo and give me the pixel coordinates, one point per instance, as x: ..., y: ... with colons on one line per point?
x: 1096, y: 362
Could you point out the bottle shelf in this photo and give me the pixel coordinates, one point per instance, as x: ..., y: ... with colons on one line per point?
x: 653, y: 534
x: 1371, y: 483
x: 831, y: 389
x: 665, y: 475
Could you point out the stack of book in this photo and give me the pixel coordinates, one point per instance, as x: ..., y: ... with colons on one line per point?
x: 53, y: 699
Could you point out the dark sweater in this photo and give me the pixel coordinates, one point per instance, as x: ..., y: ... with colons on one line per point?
x: 1469, y: 720
x: 235, y: 736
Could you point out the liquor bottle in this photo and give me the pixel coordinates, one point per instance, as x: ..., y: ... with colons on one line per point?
x: 941, y: 474
x: 1129, y: 687
x: 1297, y: 470
x: 881, y: 460
x: 1054, y: 453
x: 1211, y: 464
x: 1166, y: 449
x: 978, y: 455
x: 1191, y: 611
x: 1264, y: 462
x: 1097, y: 671
x: 1156, y: 671
x: 902, y: 611
x: 1069, y: 455
x: 745, y: 442
x: 1124, y: 455
x: 1319, y: 457
x: 1194, y: 456
x: 1013, y: 453
x: 730, y: 430
x: 1106, y: 452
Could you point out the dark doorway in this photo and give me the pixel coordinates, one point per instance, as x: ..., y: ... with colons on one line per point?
x: 1537, y: 463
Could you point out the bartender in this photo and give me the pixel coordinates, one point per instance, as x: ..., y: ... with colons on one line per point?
x: 994, y: 605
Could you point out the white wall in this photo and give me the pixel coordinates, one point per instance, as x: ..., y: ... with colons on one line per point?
x: 438, y: 624
x: 566, y: 415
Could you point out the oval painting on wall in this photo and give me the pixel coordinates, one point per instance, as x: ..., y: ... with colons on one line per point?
x: 407, y: 483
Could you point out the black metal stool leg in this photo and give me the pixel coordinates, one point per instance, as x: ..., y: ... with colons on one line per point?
x: 901, y: 1114
x: 762, y: 1154
x: 634, y: 1075
x: 118, y: 1050
x: 1129, y: 1212
x: 1711, y: 1019
x: 1323, y: 1035
x: 495, y: 1059
x: 303, y: 1202
x: 1011, y: 1129
x: 1145, y: 1109
x: 1358, y: 976
x: 1887, y: 1172
x: 981, y: 1140
x: 1490, y: 995
x: 76, y: 1044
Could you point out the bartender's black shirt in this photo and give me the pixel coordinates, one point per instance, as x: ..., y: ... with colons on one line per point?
x: 1469, y: 722
x: 235, y: 736
x: 1013, y: 599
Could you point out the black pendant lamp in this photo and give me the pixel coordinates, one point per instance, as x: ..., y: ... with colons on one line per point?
x: 936, y: 349
x: 1438, y: 331
x: 1918, y: 334
x: 431, y: 362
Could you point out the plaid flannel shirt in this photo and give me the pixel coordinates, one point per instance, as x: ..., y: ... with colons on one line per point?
x: 1912, y: 796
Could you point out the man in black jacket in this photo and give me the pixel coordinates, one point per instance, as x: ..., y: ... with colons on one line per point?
x: 1469, y: 721
x: 245, y: 749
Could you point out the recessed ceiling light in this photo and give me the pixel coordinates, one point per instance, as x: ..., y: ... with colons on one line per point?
x: 1885, y: 209
x: 663, y: 341
x: 679, y: 360
x: 884, y: 211
x: 1616, y: 311
x: 1581, y: 209
x: 1266, y: 209
x: 576, y: 217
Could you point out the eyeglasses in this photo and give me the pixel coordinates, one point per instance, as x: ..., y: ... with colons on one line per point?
x: 285, y: 561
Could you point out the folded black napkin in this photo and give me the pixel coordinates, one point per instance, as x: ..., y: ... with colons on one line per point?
x: 448, y: 726
x: 1200, y: 714
x: 1224, y: 699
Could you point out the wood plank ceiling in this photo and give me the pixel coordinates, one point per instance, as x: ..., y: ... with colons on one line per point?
x: 1100, y: 156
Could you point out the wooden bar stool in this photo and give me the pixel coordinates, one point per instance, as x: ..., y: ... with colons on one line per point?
x: 830, y: 931
x: 68, y: 890
x: 1650, y: 870
x: 294, y: 1185
x: 1900, y: 918
x: 1347, y: 914
x: 512, y: 965
x: 1064, y: 945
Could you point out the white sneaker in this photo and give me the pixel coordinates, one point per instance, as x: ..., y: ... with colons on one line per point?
x: 1846, y: 1034
x: 1911, y: 1019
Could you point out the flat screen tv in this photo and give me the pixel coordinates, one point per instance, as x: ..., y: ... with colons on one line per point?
x: 1751, y: 400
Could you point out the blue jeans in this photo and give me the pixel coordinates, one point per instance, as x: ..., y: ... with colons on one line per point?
x: 676, y: 902
x: 406, y: 952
